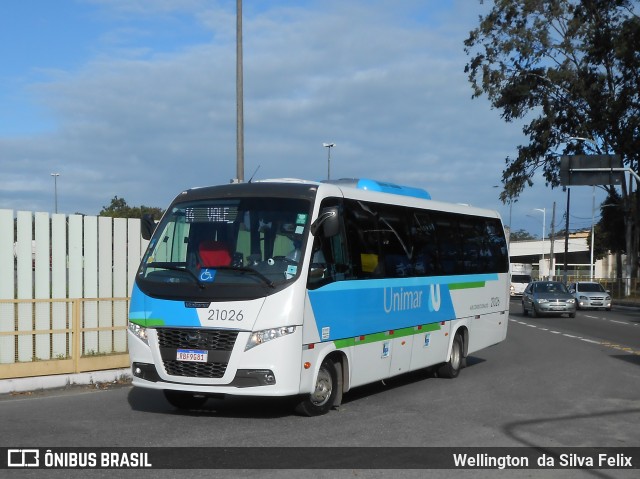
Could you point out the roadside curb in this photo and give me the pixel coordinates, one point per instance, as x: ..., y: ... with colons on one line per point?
x: 8, y: 386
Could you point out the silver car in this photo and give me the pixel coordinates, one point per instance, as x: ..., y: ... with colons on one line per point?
x: 590, y: 295
x: 546, y: 298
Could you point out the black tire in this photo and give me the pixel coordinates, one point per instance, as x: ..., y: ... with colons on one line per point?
x: 323, y: 398
x: 452, y: 368
x: 572, y: 315
x: 524, y: 310
x: 534, y: 311
x: 184, y: 400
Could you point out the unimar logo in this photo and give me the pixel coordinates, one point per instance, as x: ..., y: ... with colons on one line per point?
x: 23, y: 458
x: 405, y: 299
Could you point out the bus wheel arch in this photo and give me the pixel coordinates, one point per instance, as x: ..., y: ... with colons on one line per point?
x: 329, y: 386
x: 457, y: 356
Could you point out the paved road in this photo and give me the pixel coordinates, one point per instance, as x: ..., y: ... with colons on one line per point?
x: 552, y: 383
x: 618, y: 329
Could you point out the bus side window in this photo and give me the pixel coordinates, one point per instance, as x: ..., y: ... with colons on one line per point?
x: 471, y: 246
x: 425, y: 257
x: 329, y: 256
x: 362, y: 239
x: 449, y: 246
x: 397, y: 244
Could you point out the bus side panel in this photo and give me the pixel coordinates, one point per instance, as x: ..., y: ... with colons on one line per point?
x: 370, y: 362
x: 487, y: 308
x: 431, y: 345
x: 487, y: 330
x: 401, y: 355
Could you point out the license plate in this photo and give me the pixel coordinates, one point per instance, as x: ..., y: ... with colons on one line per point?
x: 192, y: 355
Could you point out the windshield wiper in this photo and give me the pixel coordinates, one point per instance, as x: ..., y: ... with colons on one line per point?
x: 173, y: 267
x: 244, y: 269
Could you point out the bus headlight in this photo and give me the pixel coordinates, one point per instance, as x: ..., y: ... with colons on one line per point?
x: 259, y: 337
x: 138, y: 331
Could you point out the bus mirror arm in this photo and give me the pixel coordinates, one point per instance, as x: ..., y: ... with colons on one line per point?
x: 147, y: 226
x: 328, y: 219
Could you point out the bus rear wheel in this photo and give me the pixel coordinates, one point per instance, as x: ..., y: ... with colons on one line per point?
x: 184, y: 400
x: 322, y: 399
x: 451, y: 368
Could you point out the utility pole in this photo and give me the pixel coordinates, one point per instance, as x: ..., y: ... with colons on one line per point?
x: 552, y: 259
x: 239, y: 97
x: 55, y: 190
x: 566, y: 237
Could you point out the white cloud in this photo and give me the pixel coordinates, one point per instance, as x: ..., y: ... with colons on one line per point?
x: 383, y: 80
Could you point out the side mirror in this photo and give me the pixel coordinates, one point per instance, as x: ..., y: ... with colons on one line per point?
x: 147, y: 227
x: 328, y: 219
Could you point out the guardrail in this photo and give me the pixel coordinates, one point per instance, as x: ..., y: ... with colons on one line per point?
x: 617, y: 286
x: 60, y: 336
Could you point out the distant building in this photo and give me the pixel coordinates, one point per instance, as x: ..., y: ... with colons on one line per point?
x: 578, y: 257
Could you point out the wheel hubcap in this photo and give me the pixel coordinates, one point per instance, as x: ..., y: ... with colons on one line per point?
x: 323, y: 390
x: 455, y: 357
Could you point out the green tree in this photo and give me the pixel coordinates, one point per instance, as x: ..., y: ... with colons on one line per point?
x: 609, y: 231
x: 521, y: 235
x: 120, y: 209
x: 571, y: 68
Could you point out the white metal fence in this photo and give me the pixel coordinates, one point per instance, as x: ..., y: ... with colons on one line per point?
x: 47, y: 258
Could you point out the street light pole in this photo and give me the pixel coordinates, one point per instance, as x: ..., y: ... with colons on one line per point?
x: 328, y: 146
x: 55, y: 190
x: 544, y: 220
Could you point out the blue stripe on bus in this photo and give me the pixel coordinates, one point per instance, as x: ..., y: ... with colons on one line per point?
x: 352, y: 308
x: 149, y: 311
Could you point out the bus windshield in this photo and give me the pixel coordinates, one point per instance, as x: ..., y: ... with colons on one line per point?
x: 209, y: 248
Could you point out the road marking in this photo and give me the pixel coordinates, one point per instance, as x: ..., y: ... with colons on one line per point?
x: 627, y: 323
x: 606, y: 344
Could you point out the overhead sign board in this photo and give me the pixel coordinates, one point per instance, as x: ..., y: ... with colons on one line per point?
x: 591, y: 170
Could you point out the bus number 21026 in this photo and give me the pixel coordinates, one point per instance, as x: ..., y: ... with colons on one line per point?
x: 225, y: 315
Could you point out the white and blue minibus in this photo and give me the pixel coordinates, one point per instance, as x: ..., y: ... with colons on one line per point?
x: 309, y: 289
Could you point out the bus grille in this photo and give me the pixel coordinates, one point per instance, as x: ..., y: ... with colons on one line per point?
x: 211, y: 340
x: 195, y: 370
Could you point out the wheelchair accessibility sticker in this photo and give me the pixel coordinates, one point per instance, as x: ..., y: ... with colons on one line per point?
x: 207, y: 275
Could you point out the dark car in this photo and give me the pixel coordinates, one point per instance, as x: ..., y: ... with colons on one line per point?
x: 590, y: 294
x: 548, y: 298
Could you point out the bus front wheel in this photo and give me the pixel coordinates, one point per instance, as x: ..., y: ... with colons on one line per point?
x: 322, y: 399
x: 451, y: 368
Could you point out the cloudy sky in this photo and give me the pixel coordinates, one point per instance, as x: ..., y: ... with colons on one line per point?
x: 136, y: 98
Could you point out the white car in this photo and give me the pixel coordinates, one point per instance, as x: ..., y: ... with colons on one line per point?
x: 590, y: 295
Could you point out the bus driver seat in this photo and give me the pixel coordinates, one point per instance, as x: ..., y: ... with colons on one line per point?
x: 213, y: 254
